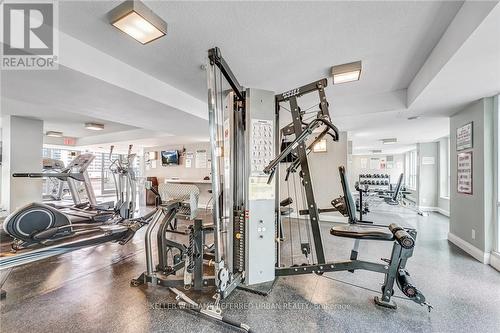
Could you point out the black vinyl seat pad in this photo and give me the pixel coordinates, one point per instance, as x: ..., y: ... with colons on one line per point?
x: 363, y: 232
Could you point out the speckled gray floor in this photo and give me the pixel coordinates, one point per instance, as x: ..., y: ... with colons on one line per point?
x: 89, y: 291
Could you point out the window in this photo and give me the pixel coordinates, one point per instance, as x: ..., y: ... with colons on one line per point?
x: 50, y: 185
x: 496, y: 122
x: 444, y: 167
x: 411, y: 169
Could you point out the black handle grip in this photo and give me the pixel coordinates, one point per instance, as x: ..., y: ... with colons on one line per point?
x: 24, y: 175
x: 286, y: 202
x: 235, y: 324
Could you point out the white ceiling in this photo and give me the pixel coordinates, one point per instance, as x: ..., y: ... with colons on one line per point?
x: 59, y: 119
x: 160, y: 88
x: 274, y: 45
x: 69, y: 95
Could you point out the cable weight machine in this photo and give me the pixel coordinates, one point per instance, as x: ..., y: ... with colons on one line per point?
x: 245, y: 160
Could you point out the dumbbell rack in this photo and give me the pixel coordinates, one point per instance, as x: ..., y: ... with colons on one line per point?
x: 370, y: 179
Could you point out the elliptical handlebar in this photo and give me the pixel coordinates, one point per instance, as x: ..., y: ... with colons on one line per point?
x: 111, y: 151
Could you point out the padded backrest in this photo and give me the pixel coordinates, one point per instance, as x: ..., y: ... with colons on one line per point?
x: 398, y: 188
x: 349, y: 201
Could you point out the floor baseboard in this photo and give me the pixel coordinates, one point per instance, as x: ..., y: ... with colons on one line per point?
x: 476, y: 253
x: 434, y: 209
x: 495, y: 260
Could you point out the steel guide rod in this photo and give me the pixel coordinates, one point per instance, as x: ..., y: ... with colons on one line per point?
x: 216, y: 152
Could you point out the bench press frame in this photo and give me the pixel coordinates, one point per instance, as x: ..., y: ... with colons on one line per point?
x: 393, y: 266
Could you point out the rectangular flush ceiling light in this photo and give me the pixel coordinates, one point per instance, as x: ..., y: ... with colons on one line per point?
x: 138, y: 21
x: 346, y: 72
x: 54, y: 134
x: 94, y: 126
x: 389, y: 141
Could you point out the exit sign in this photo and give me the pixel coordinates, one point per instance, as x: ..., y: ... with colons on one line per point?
x: 69, y: 141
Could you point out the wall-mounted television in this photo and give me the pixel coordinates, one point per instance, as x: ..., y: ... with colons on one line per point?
x: 169, y: 157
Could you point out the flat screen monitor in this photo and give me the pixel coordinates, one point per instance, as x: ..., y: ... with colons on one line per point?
x: 169, y: 157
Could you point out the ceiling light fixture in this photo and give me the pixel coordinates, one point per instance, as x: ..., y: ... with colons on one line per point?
x: 376, y: 151
x: 94, y: 126
x: 54, y: 134
x: 413, y: 117
x: 346, y: 72
x: 390, y: 141
x: 138, y: 21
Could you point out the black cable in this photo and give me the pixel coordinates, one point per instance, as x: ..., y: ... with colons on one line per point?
x: 361, y: 287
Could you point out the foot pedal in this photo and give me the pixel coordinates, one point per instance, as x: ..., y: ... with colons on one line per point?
x: 389, y: 305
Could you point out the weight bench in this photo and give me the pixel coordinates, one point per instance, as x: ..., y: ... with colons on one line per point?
x: 394, y: 268
x: 393, y: 199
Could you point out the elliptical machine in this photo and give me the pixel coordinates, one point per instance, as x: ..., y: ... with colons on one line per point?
x: 42, y: 224
x: 125, y: 183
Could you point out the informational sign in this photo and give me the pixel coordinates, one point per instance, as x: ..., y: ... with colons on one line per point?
x: 259, y: 189
x: 201, y: 159
x: 428, y: 160
x: 464, y: 173
x: 364, y: 163
x: 382, y: 163
x: 261, y: 146
x: 188, y: 162
x: 464, y: 136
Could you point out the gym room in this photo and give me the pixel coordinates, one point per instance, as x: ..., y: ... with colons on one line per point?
x: 249, y: 166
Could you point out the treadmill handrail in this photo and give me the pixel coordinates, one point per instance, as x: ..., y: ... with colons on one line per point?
x: 76, y: 176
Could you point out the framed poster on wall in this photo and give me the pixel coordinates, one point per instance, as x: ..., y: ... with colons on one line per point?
x: 464, y: 136
x: 464, y: 173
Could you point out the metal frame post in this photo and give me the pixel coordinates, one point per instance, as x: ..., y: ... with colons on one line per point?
x: 307, y: 182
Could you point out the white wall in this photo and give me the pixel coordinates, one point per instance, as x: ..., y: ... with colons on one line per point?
x: 474, y: 212
x: 22, y: 152
x: 324, y: 175
x: 180, y: 171
x: 394, y: 172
